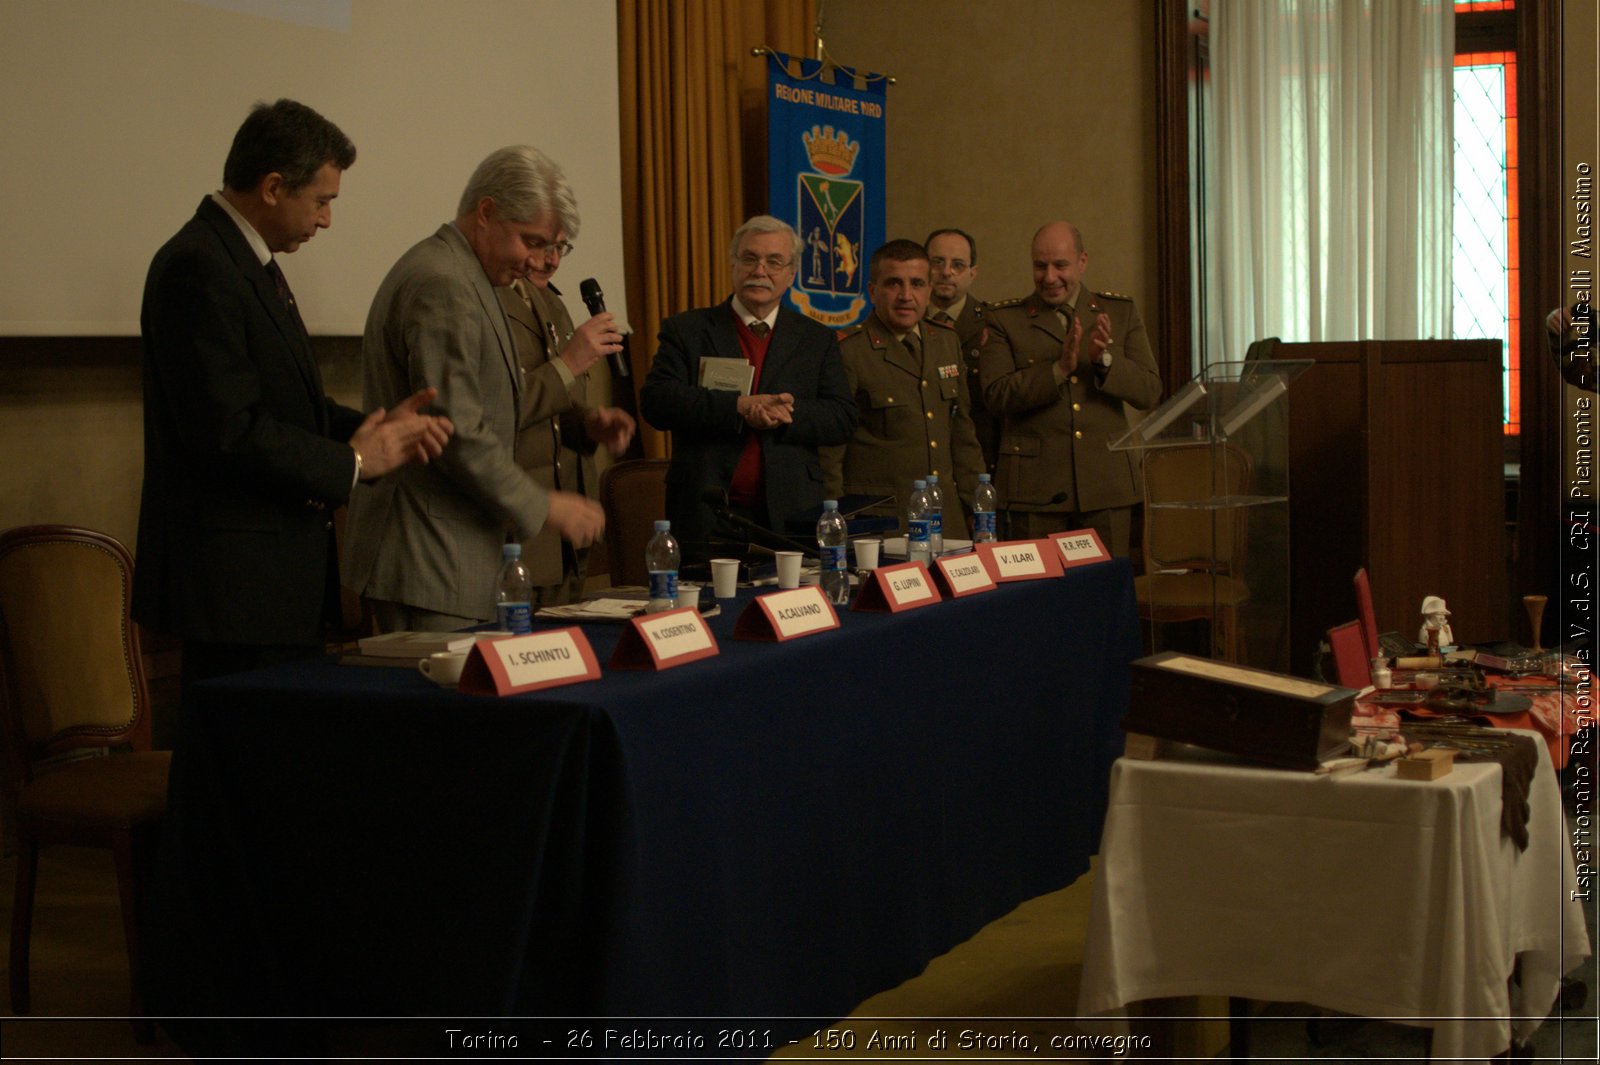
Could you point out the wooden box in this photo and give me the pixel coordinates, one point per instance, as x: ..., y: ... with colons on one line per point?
x: 1249, y: 713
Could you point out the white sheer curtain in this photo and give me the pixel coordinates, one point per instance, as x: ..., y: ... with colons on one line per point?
x: 1329, y: 210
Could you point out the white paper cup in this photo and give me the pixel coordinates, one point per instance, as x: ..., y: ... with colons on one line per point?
x: 724, y: 577
x: 443, y: 667
x: 688, y: 595
x: 788, y: 569
x: 867, y: 553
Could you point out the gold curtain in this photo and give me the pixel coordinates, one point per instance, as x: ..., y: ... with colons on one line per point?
x: 693, y: 103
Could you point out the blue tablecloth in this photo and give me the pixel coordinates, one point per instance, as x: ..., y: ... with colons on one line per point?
x: 785, y: 829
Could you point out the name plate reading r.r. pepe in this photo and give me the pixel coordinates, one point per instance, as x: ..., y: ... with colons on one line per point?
x: 896, y: 588
x: 783, y: 616
x: 1021, y: 560
x: 513, y: 664
x: 1081, y: 547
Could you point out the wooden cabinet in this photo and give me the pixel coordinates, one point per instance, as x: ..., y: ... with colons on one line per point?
x: 1397, y: 463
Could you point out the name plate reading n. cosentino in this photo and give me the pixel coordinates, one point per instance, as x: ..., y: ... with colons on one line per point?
x: 661, y: 641
x: 783, y: 616
x: 513, y: 664
x: 1021, y: 560
x: 896, y: 588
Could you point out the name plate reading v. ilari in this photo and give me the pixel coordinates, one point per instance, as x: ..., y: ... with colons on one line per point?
x: 896, y: 588
x: 1082, y: 547
x: 1021, y: 560
x: 785, y: 615
x: 513, y: 664
x: 963, y: 575
x: 661, y: 641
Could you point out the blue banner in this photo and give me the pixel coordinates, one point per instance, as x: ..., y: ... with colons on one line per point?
x: 825, y: 177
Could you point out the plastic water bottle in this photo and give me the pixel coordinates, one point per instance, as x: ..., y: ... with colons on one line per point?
x: 935, y: 516
x: 917, y: 525
x: 831, y: 535
x: 661, y: 558
x: 513, y: 592
x: 984, y: 503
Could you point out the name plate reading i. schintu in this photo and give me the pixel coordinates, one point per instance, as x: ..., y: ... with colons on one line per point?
x: 1021, y: 560
x: 661, y: 641
x: 513, y: 664
x: 785, y: 615
x: 896, y: 588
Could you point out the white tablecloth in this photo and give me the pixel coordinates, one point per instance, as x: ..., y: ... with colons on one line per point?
x: 1365, y: 894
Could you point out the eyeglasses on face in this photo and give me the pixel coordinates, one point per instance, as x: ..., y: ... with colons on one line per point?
x: 773, y: 263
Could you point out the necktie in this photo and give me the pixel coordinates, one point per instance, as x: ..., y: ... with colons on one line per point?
x: 913, y: 345
x: 760, y: 329
x: 281, y: 283
x: 943, y: 317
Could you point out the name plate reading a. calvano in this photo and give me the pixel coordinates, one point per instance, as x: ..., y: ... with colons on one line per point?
x: 785, y: 615
x: 512, y: 664
x: 661, y: 641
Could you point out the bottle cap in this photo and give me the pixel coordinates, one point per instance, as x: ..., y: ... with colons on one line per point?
x: 919, y: 485
x: 933, y: 478
x: 663, y: 526
x: 983, y: 478
x: 511, y: 551
x: 830, y: 504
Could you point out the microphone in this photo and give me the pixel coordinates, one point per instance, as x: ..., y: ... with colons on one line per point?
x: 716, y: 497
x: 595, y: 300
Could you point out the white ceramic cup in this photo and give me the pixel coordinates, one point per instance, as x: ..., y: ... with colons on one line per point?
x: 688, y: 595
x: 724, y: 577
x: 867, y: 553
x: 788, y: 569
x: 443, y: 667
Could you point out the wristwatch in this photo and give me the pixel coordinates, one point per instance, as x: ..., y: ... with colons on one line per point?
x: 1105, y: 358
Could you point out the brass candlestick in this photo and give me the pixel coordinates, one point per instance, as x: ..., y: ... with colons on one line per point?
x: 1534, y: 605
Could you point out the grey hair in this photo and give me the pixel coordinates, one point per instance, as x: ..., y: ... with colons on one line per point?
x: 524, y: 183
x: 766, y: 223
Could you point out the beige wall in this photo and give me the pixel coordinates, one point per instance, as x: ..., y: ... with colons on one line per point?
x: 1008, y: 114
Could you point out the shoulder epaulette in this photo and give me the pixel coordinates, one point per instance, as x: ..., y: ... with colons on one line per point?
x: 1000, y: 304
x: 1113, y: 296
x: 846, y: 334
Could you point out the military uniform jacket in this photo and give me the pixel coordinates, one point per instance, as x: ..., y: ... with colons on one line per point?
x: 912, y: 420
x: 552, y: 444
x: 970, y: 326
x: 1054, y: 452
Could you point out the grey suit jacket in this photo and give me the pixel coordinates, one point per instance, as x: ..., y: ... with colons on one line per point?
x: 430, y: 536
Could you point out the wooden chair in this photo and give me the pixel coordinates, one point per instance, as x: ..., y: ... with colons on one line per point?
x: 71, y: 682
x: 1194, y: 556
x: 634, y: 495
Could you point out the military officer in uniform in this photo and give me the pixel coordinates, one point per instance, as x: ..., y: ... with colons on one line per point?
x: 911, y: 396
x: 560, y: 426
x: 1058, y: 366
x: 953, y: 255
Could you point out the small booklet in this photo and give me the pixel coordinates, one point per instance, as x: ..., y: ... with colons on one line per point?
x: 726, y: 375
x: 415, y: 645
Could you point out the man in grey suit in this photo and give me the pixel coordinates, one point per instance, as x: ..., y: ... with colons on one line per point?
x: 424, y: 550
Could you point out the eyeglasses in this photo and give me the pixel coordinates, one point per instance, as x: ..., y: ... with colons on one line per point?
x: 956, y: 265
x: 773, y: 263
x: 546, y: 249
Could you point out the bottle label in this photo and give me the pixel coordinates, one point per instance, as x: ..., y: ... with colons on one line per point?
x: 664, y: 585
x: 936, y: 523
x: 983, y: 524
x: 515, y: 617
x: 919, y: 530
x: 832, y: 559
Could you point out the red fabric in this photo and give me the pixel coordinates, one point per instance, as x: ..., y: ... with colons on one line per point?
x: 748, y: 488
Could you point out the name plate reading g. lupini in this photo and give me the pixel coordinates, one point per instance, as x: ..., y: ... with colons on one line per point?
x: 661, y: 641
x: 896, y: 588
x: 964, y: 575
x: 1021, y: 560
x: 1081, y: 547
x: 513, y: 664
x: 785, y: 615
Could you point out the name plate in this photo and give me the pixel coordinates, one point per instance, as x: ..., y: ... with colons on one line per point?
x: 896, y: 588
x: 963, y: 575
x: 1081, y: 547
x: 1021, y: 560
x: 661, y: 641
x: 514, y: 664
x: 785, y: 615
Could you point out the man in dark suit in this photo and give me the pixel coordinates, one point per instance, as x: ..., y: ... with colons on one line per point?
x: 759, y: 444
x: 953, y: 257
x: 245, y: 457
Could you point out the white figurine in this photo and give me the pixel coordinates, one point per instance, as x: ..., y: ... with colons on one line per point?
x: 1436, y: 615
